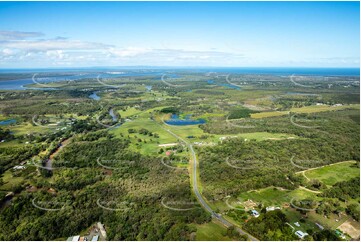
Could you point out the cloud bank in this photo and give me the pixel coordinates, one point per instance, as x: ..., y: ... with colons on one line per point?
x: 30, y: 49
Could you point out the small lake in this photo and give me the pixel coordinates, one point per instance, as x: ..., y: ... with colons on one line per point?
x: 211, y: 82
x: 94, y: 96
x: 7, y: 122
x: 175, y: 120
x: 230, y: 86
x: 114, y: 117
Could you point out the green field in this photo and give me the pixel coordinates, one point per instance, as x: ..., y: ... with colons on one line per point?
x: 323, y: 108
x: 307, y: 109
x: 334, y: 173
x: 211, y: 231
x: 152, y: 145
x: 10, y: 181
x: 129, y: 112
x: 269, y: 114
x: 272, y: 196
x: 294, y: 216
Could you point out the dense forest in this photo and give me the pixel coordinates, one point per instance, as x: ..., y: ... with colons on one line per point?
x: 139, y: 185
x: 272, y: 162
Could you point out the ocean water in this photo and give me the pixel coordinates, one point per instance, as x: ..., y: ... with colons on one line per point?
x: 285, y: 71
x: 73, y: 74
x: 64, y: 75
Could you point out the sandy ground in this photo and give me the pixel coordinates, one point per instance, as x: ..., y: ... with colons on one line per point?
x: 351, y: 228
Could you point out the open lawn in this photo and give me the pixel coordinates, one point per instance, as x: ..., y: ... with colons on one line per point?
x: 211, y: 231
x: 332, y: 222
x: 334, y: 173
x: 268, y: 196
x: 152, y: 144
x: 294, y: 216
x: 307, y: 109
x: 10, y: 181
x: 28, y: 128
x: 12, y: 143
x: 323, y: 108
x: 269, y: 114
x: 129, y: 112
x: 272, y: 196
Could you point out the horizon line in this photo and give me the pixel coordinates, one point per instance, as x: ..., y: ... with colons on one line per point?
x: 149, y: 66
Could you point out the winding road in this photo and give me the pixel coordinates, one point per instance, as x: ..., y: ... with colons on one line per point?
x: 199, y: 195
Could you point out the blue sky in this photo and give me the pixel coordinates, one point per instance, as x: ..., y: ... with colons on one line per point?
x: 237, y: 34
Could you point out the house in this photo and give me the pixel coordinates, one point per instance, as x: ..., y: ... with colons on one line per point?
x: 74, y: 238
x: 300, y: 234
x: 272, y: 208
x: 102, y: 230
x: 19, y: 167
x: 254, y: 213
x: 297, y: 224
x: 95, y: 238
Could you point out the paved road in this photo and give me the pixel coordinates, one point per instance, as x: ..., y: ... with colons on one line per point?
x: 204, y: 203
x: 199, y: 195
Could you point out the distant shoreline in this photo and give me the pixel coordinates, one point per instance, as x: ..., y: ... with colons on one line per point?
x: 312, y: 71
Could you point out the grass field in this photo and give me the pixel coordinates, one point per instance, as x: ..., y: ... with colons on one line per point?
x: 323, y: 108
x: 129, y: 112
x: 332, y: 222
x: 194, y: 130
x: 10, y: 181
x: 268, y: 196
x: 334, y: 173
x: 308, y: 109
x: 269, y: 114
x: 272, y: 196
x: 151, y: 147
x: 26, y: 128
x: 211, y: 231
x: 12, y: 143
x: 294, y: 216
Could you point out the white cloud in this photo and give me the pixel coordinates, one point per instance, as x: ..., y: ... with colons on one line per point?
x: 21, y: 49
x: 128, y: 52
x: 56, y: 54
x: 18, y: 35
x: 7, y: 52
x: 52, y: 44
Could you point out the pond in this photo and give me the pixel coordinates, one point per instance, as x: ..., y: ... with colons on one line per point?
x: 211, y: 82
x: 175, y: 120
x: 94, y: 96
x: 8, y: 121
x: 114, y: 117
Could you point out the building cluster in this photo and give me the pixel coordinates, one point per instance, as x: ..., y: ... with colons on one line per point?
x: 96, y: 233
